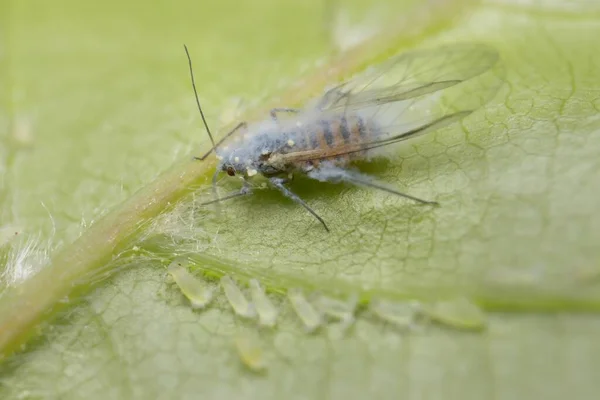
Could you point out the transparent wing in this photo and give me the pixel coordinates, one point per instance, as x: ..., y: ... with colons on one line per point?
x: 410, y: 95
x: 411, y: 75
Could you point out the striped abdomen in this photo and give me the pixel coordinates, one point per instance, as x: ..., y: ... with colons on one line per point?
x: 332, y: 137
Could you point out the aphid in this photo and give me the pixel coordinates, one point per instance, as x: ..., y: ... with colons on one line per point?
x: 241, y: 306
x: 401, y: 314
x: 250, y: 352
x: 310, y: 317
x: 339, y: 310
x: 458, y: 313
x: 196, y: 291
x: 396, y: 101
x: 267, y: 313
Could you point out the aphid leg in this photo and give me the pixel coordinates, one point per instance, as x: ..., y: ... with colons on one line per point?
x: 335, y: 174
x: 245, y: 190
x: 279, y: 184
x: 241, y: 125
x: 274, y: 112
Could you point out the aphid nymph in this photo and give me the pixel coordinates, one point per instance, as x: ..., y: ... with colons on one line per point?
x: 388, y: 104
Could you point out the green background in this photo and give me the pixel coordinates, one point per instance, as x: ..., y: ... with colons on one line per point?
x: 96, y: 103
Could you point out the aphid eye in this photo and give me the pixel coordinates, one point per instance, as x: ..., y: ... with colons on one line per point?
x: 230, y: 171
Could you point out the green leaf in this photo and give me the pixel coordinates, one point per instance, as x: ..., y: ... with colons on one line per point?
x: 96, y: 104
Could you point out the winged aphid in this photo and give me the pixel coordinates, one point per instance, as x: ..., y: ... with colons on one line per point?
x: 393, y: 102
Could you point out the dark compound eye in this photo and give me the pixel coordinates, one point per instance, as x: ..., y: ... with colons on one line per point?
x: 230, y: 171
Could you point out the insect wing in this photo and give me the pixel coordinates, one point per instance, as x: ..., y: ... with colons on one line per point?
x: 410, y: 75
x: 411, y: 95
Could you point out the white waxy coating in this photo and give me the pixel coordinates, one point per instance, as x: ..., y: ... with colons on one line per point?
x: 241, y: 306
x: 250, y: 352
x: 310, y: 317
x: 267, y: 313
x: 251, y: 171
x: 291, y: 143
x: 401, y: 314
x: 342, y: 311
x: 193, y: 288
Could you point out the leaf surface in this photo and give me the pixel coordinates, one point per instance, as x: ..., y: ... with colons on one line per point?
x: 98, y: 103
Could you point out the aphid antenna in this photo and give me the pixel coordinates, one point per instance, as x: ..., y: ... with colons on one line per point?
x: 214, y: 147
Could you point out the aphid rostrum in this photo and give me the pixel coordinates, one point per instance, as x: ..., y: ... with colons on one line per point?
x: 407, y: 96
